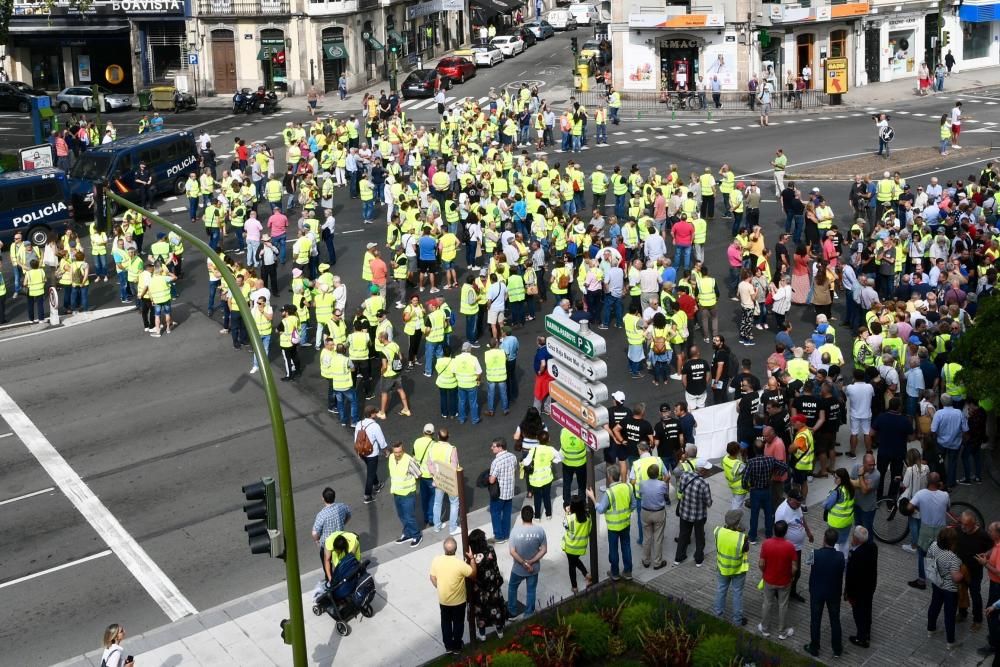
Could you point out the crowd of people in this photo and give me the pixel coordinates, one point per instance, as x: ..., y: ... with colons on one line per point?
x: 507, y: 235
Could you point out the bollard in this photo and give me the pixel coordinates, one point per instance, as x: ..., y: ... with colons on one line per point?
x: 639, y: 116
x: 673, y: 114
x: 710, y: 114
x: 53, y: 307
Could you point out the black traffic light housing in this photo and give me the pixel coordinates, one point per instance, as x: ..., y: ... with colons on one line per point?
x: 574, y: 45
x: 286, y: 631
x: 261, y: 509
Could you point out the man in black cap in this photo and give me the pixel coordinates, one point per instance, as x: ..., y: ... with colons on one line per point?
x: 668, y: 438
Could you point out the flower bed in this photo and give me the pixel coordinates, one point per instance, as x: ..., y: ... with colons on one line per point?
x: 626, y: 625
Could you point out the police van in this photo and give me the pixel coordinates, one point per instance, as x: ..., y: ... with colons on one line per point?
x: 35, y: 203
x: 170, y: 156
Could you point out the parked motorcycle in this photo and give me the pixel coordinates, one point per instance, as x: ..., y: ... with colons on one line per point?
x: 265, y: 101
x: 184, y: 102
x: 243, y: 101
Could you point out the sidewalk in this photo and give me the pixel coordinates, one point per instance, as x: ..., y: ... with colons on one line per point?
x: 246, y: 631
x: 890, y: 92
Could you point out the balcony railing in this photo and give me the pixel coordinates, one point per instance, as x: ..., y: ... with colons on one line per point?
x: 242, y: 7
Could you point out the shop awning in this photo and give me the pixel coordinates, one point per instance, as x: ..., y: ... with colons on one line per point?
x: 395, y: 37
x: 334, y: 49
x: 488, y: 8
x: 48, y: 29
x: 263, y: 54
x: 375, y: 44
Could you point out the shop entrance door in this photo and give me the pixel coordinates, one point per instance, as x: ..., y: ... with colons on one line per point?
x: 677, y: 57
x: 223, y: 61
x: 46, y: 70
x: 931, y: 53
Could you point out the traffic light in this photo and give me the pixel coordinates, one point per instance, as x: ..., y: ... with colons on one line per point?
x: 286, y: 631
x: 394, y: 47
x: 262, y: 512
x: 945, y: 38
x: 573, y: 45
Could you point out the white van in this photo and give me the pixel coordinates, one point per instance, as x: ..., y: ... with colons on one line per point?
x: 584, y: 13
x: 561, y: 19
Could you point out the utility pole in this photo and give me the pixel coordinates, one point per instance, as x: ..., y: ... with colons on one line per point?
x: 293, y: 628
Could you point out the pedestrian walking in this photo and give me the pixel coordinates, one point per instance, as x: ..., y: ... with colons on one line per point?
x: 444, y: 453
x: 113, y: 655
x: 576, y: 538
x: 944, y: 573
x: 528, y: 547
x: 502, y: 470
x: 403, y: 473
x: 369, y: 454
x: 448, y: 574
x: 332, y: 518
x: 489, y: 609
x: 826, y: 579
x: 695, y: 498
x: 779, y: 563
x: 731, y: 551
x: 860, y: 581
x: 653, y: 493
x: 616, y: 504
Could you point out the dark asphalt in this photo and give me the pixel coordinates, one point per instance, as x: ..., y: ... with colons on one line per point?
x: 166, y: 431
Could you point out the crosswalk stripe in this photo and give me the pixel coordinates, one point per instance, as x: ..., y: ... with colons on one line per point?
x: 662, y: 136
x: 621, y: 142
x: 679, y: 134
x: 718, y: 129
x: 674, y: 127
x: 484, y: 98
x: 642, y: 138
x: 698, y: 132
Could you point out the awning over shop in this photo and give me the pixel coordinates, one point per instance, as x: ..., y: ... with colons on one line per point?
x: 374, y: 44
x: 489, y: 8
x: 979, y: 13
x: 21, y: 29
x: 334, y: 49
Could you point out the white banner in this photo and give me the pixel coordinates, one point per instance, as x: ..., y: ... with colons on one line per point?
x: 716, y: 429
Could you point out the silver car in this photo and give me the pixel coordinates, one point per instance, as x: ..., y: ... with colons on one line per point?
x: 81, y: 98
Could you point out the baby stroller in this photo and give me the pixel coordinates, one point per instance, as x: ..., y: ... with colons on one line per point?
x: 349, y: 593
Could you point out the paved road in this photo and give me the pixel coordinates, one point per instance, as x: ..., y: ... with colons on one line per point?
x: 164, y: 432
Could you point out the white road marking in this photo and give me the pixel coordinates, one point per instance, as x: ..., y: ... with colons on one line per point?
x: 28, y: 495
x: 825, y: 118
x: 662, y: 136
x: 642, y: 138
x: 639, y: 130
x: 736, y: 127
x: 178, y: 209
x: 674, y: 127
x: 698, y: 132
x: 710, y: 122
x: 171, y: 198
x: 352, y: 231
x: 102, y: 554
x: 484, y: 98
x: 6, y: 435
x: 621, y: 142
x: 799, y: 164
x: 679, y: 134
x: 655, y: 129
x: 718, y: 129
x: 147, y: 573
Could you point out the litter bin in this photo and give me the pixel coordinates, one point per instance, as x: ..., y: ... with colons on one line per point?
x: 583, y: 71
x: 162, y: 98
x: 145, y: 99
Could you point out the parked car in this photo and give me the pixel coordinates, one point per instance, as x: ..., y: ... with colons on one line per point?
x: 584, y: 13
x: 80, y: 98
x: 423, y: 83
x: 485, y: 53
x: 456, y: 69
x: 590, y: 49
x: 17, y: 96
x: 561, y: 19
x: 510, y: 45
x: 540, y: 28
x: 526, y: 36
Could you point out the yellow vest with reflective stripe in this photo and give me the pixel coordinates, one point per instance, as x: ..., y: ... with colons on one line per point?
x: 640, y: 470
x: 884, y: 190
x: 159, y: 290
x: 421, y: 452
x: 445, y: 369
x: 729, y: 554
x: 798, y: 369
x: 706, y: 292
x: 437, y: 320
x: 401, y: 482
x: 465, y: 371
x: 323, y: 303
x: 391, y: 352
x: 357, y: 345
x: 841, y: 515
x: 733, y: 469
x: 619, y: 512
x: 496, y: 365
x: 577, y: 535
x: 633, y: 329
x: 948, y: 372
x: 805, y: 460
x: 573, y: 449
x: 541, y: 466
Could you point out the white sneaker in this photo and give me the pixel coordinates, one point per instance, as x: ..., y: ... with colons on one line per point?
x: 909, y: 548
x: 786, y: 633
x: 675, y: 376
x: 760, y: 629
x: 253, y: 370
x: 455, y: 531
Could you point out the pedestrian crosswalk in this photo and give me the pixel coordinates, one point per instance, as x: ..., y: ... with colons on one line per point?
x: 429, y: 103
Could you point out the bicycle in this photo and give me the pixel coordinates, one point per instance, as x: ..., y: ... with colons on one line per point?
x: 683, y: 102
x: 892, y: 526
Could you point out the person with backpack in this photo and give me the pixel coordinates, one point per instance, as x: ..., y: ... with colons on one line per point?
x: 113, y: 655
x: 369, y: 443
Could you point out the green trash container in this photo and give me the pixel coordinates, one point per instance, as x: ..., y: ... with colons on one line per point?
x: 145, y: 100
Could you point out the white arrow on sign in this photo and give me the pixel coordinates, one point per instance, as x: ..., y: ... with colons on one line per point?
x: 592, y: 392
x: 589, y: 369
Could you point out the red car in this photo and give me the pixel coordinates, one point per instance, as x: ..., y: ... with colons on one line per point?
x: 456, y: 69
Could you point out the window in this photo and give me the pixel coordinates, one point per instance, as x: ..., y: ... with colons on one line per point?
x: 150, y: 156
x: 46, y: 191
x: 838, y: 43
x: 975, y: 40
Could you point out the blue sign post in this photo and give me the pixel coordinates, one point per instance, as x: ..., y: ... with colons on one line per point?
x: 43, y: 118
x: 192, y: 59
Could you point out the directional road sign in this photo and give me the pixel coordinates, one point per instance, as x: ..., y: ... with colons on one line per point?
x: 588, y: 369
x: 592, y: 416
x: 570, y: 333
x: 594, y: 439
x: 593, y: 392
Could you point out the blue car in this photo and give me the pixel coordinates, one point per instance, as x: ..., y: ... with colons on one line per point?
x: 540, y: 28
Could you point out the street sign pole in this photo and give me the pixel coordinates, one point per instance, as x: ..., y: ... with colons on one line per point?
x: 592, y: 509
x: 293, y: 580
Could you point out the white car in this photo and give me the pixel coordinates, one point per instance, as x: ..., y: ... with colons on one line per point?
x: 584, y: 13
x: 486, y: 54
x: 509, y: 45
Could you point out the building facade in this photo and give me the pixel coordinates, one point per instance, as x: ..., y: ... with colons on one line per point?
x: 659, y: 43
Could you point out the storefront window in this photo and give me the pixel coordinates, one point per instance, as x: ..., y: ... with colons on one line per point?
x: 901, y: 50
x: 272, y: 59
x: 838, y: 43
x: 975, y: 40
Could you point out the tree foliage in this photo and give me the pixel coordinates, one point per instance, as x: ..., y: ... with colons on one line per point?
x: 978, y: 351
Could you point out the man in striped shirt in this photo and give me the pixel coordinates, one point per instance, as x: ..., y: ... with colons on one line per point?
x: 333, y: 517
